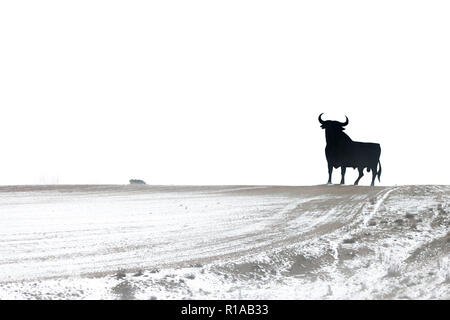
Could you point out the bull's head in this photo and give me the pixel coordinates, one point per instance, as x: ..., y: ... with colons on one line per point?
x: 333, y: 125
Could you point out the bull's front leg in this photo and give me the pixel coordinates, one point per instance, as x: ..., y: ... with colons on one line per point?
x: 343, y: 174
x: 330, y: 171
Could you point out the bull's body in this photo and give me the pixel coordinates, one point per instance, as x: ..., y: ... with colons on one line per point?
x: 342, y: 152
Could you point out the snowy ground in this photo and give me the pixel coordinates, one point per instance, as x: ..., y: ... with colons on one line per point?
x: 224, y: 242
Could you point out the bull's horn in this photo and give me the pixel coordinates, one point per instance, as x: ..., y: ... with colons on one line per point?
x: 320, y: 118
x: 346, y: 122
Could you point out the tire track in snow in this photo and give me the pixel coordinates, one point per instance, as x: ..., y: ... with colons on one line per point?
x: 377, y: 206
x: 232, y: 225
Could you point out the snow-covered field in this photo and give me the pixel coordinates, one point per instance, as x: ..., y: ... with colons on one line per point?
x: 224, y: 242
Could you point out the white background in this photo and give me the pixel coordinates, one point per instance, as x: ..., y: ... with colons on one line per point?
x: 220, y: 92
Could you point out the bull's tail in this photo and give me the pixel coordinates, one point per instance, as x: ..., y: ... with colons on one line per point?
x: 379, y: 171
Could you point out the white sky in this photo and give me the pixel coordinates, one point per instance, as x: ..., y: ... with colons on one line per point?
x: 220, y: 92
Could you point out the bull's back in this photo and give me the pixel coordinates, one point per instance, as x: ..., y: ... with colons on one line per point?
x: 366, y: 153
x: 355, y: 154
x: 368, y: 146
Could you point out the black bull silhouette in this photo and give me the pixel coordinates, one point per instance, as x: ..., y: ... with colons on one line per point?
x: 341, y: 151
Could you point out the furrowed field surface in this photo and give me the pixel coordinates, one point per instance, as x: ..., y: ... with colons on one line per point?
x: 232, y: 242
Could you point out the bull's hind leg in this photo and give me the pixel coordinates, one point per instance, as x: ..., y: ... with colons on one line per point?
x: 361, y: 173
x: 330, y: 171
x: 374, y: 174
x: 343, y: 174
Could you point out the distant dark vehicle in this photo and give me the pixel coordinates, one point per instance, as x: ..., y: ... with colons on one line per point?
x: 136, y: 181
x: 341, y: 151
